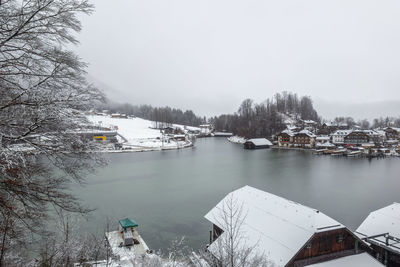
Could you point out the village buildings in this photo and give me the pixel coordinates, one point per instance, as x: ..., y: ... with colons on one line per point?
x: 349, y: 137
x: 285, y: 138
x: 356, y: 138
x: 304, y: 139
x: 392, y: 133
x: 285, y: 232
x: 339, y: 135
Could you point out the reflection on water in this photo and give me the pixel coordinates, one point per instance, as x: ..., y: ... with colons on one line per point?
x: 169, y: 192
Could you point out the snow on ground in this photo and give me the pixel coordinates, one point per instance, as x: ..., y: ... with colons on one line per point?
x: 139, y: 133
x: 123, y: 253
x: 237, y: 139
x: 131, y: 129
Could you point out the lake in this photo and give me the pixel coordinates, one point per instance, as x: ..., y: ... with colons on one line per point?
x: 169, y: 192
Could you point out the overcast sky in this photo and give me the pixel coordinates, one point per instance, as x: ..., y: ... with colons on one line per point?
x: 209, y: 55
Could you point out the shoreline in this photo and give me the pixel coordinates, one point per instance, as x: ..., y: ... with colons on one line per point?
x: 147, y: 149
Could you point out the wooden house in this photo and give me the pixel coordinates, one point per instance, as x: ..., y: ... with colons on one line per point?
x: 327, y: 128
x: 339, y: 135
x: 381, y: 231
x: 392, y: 133
x: 257, y: 143
x: 304, y: 139
x: 356, y: 138
x: 119, y: 116
x: 285, y: 138
x: 287, y: 233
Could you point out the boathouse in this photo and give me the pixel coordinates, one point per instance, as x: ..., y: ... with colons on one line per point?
x: 381, y: 231
x: 257, y: 143
x: 126, y: 227
x: 285, y: 232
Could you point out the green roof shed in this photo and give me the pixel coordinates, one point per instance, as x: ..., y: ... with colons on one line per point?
x: 127, y: 223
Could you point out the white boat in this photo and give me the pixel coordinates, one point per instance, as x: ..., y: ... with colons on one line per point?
x: 319, y: 151
x: 354, y: 153
x: 338, y: 152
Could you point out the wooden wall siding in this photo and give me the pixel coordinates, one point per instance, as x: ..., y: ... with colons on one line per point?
x: 216, y: 232
x: 388, y: 258
x: 326, y: 246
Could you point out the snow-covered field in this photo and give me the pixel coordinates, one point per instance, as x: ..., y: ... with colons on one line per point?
x: 138, y: 133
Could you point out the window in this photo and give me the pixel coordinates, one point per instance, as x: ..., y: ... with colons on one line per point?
x: 324, y: 244
x: 339, y: 238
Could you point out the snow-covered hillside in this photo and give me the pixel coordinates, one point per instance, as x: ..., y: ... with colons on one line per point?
x: 138, y: 132
x: 131, y: 129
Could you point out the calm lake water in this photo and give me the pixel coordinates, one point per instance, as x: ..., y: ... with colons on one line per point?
x: 169, y: 192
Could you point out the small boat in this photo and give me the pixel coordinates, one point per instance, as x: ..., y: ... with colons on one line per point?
x: 329, y: 151
x: 338, y: 152
x: 319, y: 151
x: 354, y: 153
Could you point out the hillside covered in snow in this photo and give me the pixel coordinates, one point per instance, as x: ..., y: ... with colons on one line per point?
x: 137, y: 133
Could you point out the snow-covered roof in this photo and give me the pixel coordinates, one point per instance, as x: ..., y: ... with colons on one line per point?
x: 330, y: 124
x: 363, y: 259
x: 384, y: 220
x: 260, y: 141
x: 309, y: 122
x: 277, y: 227
x: 394, y: 128
x: 374, y: 132
x: 307, y: 132
x: 342, y: 132
x: 323, y: 138
x: 288, y: 132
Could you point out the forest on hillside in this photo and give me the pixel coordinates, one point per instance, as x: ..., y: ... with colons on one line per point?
x: 162, y: 116
x: 267, y: 118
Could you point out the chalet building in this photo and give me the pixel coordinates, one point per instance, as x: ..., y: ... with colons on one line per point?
x: 357, y: 138
x: 305, y: 139
x: 331, y: 127
x: 323, y: 138
x: 323, y: 141
x: 381, y: 231
x: 327, y: 128
x: 338, y: 136
x: 392, y: 133
x: 285, y: 138
x: 376, y: 136
x: 310, y: 125
x: 342, y: 126
x: 285, y: 232
x: 257, y: 143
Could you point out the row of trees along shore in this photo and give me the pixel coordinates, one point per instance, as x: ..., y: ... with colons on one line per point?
x: 267, y: 118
